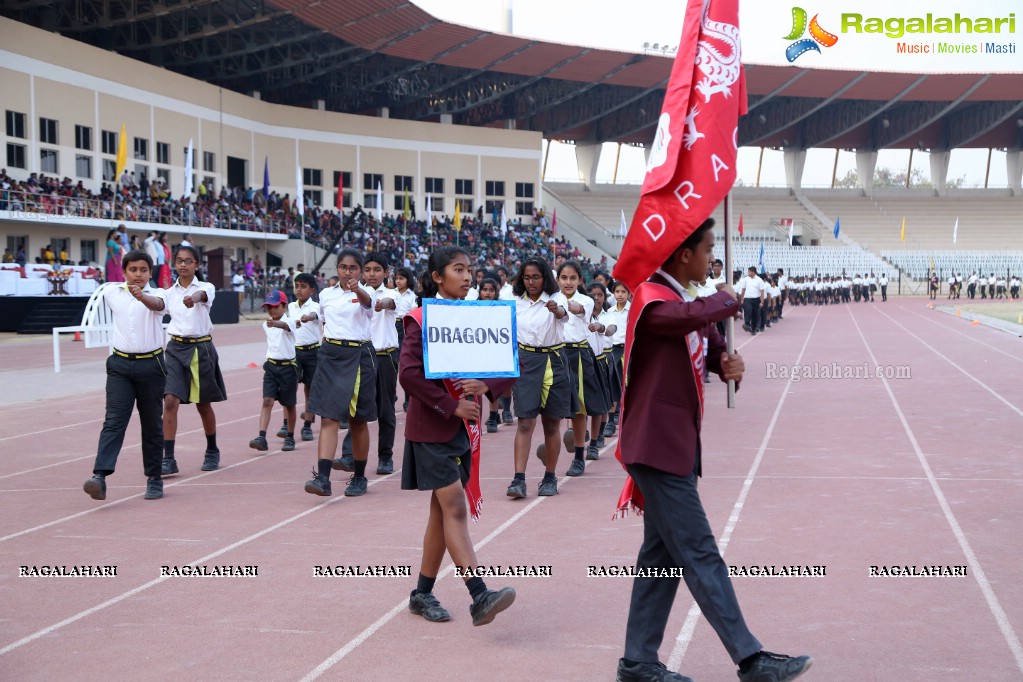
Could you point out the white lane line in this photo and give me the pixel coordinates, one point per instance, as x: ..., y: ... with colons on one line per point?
x: 685, y: 635
x: 152, y: 583
x: 123, y: 448
x: 975, y: 568
x: 30, y: 434
x: 949, y: 360
x: 1017, y: 357
x: 402, y: 605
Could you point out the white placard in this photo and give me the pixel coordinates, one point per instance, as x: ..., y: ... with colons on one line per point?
x: 469, y: 339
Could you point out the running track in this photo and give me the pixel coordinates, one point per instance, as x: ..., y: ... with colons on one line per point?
x: 843, y: 473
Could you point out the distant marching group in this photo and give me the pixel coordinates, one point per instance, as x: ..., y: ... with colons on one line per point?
x: 992, y: 287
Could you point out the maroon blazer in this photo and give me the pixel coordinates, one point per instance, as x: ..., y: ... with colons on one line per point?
x: 660, y: 424
x: 430, y: 417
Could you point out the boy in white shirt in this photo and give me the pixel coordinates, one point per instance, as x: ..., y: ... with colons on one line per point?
x: 280, y: 373
x: 304, y: 311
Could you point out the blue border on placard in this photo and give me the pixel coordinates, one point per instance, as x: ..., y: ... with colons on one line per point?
x: 479, y: 375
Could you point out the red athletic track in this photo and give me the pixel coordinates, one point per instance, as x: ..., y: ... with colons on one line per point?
x: 845, y: 473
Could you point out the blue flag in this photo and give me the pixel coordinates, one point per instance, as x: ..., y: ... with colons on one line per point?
x: 838, y: 228
x: 266, y: 178
x: 762, y: 269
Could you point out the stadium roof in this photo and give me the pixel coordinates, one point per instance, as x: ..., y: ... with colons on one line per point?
x: 360, y: 56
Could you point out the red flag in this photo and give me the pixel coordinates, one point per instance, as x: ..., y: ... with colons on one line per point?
x: 554, y: 222
x: 692, y: 162
x: 740, y: 224
x: 340, y: 193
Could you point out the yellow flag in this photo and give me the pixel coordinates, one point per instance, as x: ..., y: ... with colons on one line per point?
x: 122, y: 154
x: 407, y: 213
x: 903, y: 236
x: 457, y: 222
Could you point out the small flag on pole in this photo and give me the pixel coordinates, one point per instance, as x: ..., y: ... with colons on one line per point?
x: 763, y: 270
x: 792, y: 232
x: 955, y: 231
x: 624, y: 226
x: 406, y: 212
x: 554, y: 222
x: 504, y: 220
x: 838, y: 228
x: 340, y: 190
x: 122, y: 152
x: 457, y: 222
x: 266, y: 177
x: 429, y: 213
x: 902, y: 236
x: 740, y: 224
x: 188, y: 165
x: 380, y: 202
x: 299, y: 192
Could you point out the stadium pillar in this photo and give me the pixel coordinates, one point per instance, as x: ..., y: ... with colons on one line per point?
x: 939, y: 169
x: 1014, y: 170
x: 587, y: 156
x: 794, y: 160
x: 866, y: 162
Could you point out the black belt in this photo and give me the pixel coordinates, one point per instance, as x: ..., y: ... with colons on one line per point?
x: 349, y: 344
x: 311, y: 346
x: 580, y: 344
x: 542, y: 349
x: 138, y: 356
x: 386, y: 351
x: 191, y: 339
x: 281, y: 363
x: 619, y: 345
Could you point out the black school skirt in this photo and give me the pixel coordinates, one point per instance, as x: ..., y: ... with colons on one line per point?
x: 193, y: 372
x: 585, y: 384
x: 430, y: 466
x: 345, y: 385
x: 544, y: 384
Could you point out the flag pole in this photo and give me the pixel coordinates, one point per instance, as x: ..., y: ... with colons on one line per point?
x: 730, y: 322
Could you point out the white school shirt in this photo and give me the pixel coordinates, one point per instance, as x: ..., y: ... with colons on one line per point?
x: 473, y: 294
x: 1001, y: 281
x: 951, y: 280
x: 137, y: 329
x: 607, y: 318
x: 706, y: 289
x: 1015, y: 282
x: 238, y: 282
x: 620, y: 319
x: 751, y: 286
x: 194, y: 321
x: 775, y: 292
x: 537, y: 326
x: 973, y: 279
x: 382, y: 328
x: 871, y: 280
x: 575, y: 325
x: 506, y: 293
x: 982, y: 282
x: 884, y: 280
x: 310, y: 332
x: 280, y: 343
x: 343, y: 316
x: 407, y: 303
x: 596, y: 339
x: 857, y: 281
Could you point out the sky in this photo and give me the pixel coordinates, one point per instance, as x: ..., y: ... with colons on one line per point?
x: 626, y: 26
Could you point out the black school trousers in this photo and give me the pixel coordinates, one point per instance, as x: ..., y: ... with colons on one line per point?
x: 132, y: 384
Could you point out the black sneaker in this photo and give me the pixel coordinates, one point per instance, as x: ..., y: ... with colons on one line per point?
x: 547, y: 487
x: 307, y: 433
x: 154, y: 489
x: 283, y: 433
x: 96, y: 487
x: 593, y: 451
x: 491, y: 603
x: 600, y: 439
x: 517, y: 489
x: 426, y: 605
x: 541, y: 453
x: 507, y: 418
x: 211, y: 460
x: 576, y: 468
x: 259, y: 443
x: 404, y: 406
x: 385, y: 466
x: 768, y: 667
x: 344, y: 463
x: 356, y: 486
x: 609, y: 428
x: 289, y: 444
x: 569, y: 440
x: 491, y: 426
x: 318, y: 485
x: 647, y: 672
x: 169, y: 466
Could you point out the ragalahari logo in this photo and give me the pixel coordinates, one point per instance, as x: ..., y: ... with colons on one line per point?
x: 818, y: 35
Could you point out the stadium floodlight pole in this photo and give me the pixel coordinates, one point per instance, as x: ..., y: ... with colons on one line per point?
x: 730, y: 322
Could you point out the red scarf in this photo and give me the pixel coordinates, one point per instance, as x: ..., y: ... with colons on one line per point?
x: 473, y: 493
x: 647, y: 293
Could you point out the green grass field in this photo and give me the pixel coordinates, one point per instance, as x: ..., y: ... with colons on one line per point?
x: 1009, y: 311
